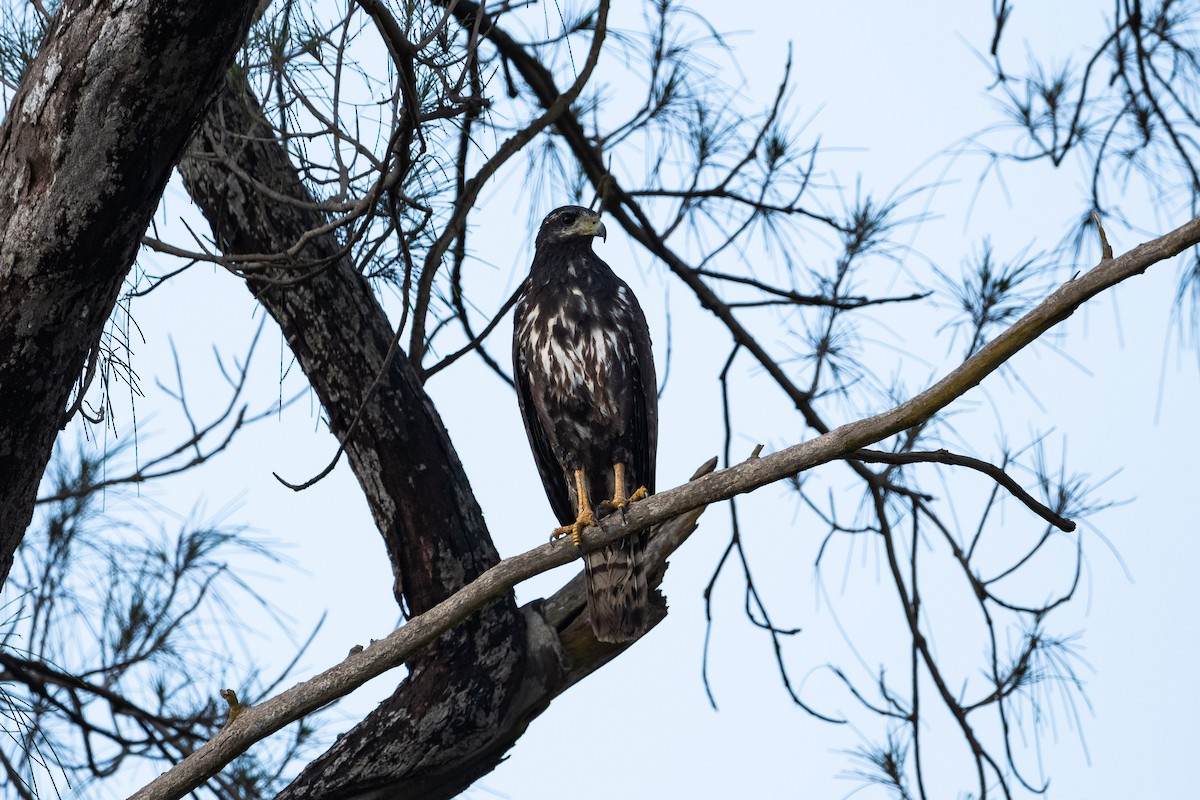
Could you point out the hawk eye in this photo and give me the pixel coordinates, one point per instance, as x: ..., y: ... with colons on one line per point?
x: 568, y: 219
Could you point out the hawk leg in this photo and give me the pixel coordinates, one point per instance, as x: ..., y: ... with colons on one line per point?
x: 584, y: 518
x: 619, y: 499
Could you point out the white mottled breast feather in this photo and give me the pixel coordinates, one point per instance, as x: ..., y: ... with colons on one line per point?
x: 562, y: 352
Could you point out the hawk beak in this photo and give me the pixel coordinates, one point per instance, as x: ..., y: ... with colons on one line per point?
x: 601, y: 231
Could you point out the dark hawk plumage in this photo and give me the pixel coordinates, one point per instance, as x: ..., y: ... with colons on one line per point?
x: 585, y: 379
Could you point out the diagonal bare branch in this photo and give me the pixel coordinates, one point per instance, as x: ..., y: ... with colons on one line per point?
x: 402, y: 644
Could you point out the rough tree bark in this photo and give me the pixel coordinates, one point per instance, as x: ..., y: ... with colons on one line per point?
x: 413, y: 481
x: 86, y: 147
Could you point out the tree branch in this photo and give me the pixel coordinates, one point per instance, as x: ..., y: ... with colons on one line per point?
x: 465, y: 200
x: 979, y: 465
x: 564, y: 612
x: 257, y: 723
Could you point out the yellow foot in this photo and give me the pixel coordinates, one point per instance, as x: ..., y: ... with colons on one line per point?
x: 584, y: 519
x: 620, y: 502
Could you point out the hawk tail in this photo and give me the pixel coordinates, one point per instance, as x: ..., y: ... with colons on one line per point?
x: 617, y: 595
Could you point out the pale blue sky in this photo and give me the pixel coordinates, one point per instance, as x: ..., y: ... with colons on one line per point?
x: 896, y: 86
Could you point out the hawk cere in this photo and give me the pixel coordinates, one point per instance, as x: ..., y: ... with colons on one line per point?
x: 585, y: 380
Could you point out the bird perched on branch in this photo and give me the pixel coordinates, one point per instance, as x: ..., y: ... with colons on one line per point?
x: 585, y: 380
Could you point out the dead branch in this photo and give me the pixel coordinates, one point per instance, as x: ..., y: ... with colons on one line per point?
x: 979, y: 465
x: 399, y: 646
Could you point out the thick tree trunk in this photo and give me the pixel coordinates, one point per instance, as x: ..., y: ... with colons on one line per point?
x: 399, y: 450
x: 464, y: 691
x: 86, y: 147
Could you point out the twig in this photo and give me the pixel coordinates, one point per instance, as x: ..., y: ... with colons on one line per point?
x: 956, y: 460
x: 466, y: 200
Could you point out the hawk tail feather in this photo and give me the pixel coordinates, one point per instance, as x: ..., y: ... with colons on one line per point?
x: 617, y: 595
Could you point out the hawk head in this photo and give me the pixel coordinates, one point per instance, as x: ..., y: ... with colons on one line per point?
x: 570, y: 223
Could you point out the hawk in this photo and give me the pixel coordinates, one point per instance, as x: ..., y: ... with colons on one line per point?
x: 584, y: 375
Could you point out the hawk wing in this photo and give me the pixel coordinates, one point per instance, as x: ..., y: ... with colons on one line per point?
x: 533, y: 412
x: 644, y: 420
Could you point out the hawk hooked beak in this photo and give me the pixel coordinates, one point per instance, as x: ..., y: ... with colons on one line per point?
x: 600, y: 231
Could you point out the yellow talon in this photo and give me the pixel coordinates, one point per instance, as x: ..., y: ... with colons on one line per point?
x: 576, y: 528
x: 585, y: 517
x: 619, y: 499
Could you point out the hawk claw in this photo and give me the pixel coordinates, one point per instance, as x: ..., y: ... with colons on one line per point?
x: 621, y: 502
x: 584, y: 520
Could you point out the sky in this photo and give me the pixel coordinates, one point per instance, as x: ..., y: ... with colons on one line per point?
x: 892, y: 91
